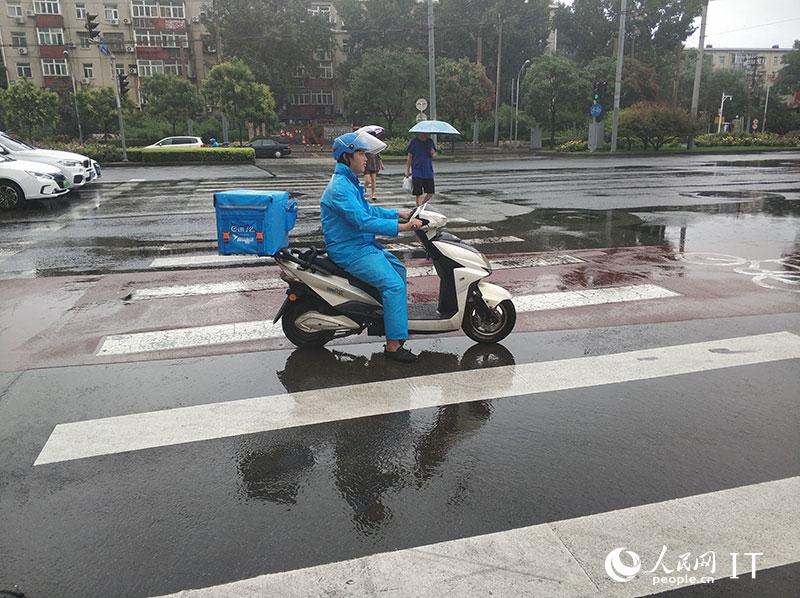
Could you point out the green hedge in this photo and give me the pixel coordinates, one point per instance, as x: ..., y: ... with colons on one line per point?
x: 746, y: 139
x: 191, y: 154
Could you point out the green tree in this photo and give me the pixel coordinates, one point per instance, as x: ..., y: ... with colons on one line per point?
x: 273, y: 37
x: 98, y: 109
x: 586, y: 29
x: 463, y: 91
x: 788, y: 81
x: 3, y: 77
x: 29, y: 107
x: 383, y: 25
x: 656, y: 124
x: 386, y: 85
x: 639, y: 80
x: 232, y: 88
x: 713, y: 84
x: 172, y: 98
x: 557, y: 92
x: 781, y: 119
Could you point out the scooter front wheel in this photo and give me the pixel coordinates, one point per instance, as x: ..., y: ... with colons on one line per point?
x: 301, y: 338
x: 492, y: 326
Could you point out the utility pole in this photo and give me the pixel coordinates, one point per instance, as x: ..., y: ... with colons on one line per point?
x: 497, y: 86
x: 721, y: 107
x: 431, y: 61
x: 119, y: 107
x: 618, y: 78
x: 766, y: 103
x: 698, y: 69
x: 75, y: 96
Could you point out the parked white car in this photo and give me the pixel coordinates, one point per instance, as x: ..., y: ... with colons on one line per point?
x: 77, y: 168
x: 182, y: 141
x: 21, y: 180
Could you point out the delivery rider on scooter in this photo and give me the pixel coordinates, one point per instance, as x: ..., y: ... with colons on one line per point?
x: 350, y: 223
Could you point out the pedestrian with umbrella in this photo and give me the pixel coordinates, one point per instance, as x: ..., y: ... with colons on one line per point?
x: 420, y: 153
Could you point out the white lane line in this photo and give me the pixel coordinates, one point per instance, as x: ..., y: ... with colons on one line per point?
x: 183, y: 338
x: 206, y: 289
x: 535, y: 260
x: 168, y: 427
x: 563, y: 558
x: 196, y: 260
x: 469, y: 229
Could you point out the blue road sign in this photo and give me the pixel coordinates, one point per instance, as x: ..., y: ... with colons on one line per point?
x: 596, y: 110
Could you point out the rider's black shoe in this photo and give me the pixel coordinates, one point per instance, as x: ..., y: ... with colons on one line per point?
x: 402, y: 355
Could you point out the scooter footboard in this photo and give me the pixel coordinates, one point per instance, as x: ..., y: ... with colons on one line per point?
x: 493, y: 294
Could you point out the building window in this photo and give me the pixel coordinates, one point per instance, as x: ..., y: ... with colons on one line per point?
x: 80, y: 12
x: 172, y: 10
x: 54, y: 67
x: 722, y: 60
x: 325, y: 70
x: 322, y: 98
x: 119, y: 69
x: 83, y: 40
x: 300, y: 99
x: 51, y: 36
x: 111, y: 12
x: 88, y: 70
x: 776, y: 60
x: 173, y: 68
x: 174, y: 40
x: 115, y: 41
x: 144, y: 8
x: 18, y: 39
x: 24, y: 70
x: 14, y: 9
x: 148, y: 38
x: 322, y: 10
x: 148, y: 68
x: 322, y: 55
x: 47, y: 7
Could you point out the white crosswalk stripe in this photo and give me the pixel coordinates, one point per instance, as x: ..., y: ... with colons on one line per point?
x: 140, y: 431
x: 183, y: 338
x: 563, y: 559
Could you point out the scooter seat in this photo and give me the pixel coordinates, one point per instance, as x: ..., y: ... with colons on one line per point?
x: 329, y: 266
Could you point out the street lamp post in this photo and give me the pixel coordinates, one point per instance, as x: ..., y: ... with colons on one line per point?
x: 516, y: 101
x: 698, y: 69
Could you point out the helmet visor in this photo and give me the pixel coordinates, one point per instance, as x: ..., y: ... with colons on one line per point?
x: 368, y: 143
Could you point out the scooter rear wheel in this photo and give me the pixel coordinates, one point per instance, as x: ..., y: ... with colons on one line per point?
x: 491, y: 329
x: 301, y: 338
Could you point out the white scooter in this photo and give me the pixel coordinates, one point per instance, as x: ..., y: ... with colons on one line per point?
x: 324, y: 302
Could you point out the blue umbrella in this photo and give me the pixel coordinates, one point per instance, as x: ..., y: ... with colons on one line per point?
x: 436, y: 127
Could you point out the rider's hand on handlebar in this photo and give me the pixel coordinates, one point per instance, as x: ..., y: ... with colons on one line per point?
x: 403, y: 214
x: 414, y: 224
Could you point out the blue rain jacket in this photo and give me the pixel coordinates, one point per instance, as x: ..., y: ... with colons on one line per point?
x: 349, y: 221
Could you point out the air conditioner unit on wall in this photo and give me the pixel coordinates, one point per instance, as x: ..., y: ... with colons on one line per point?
x: 71, y: 45
x: 30, y: 12
x: 195, y: 19
x: 126, y: 21
x: 85, y: 81
x: 20, y: 20
x: 22, y: 51
x: 130, y: 49
x: 133, y: 70
x: 114, y: 22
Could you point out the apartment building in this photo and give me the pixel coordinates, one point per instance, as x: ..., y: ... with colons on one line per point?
x: 318, y: 96
x: 46, y: 41
x: 763, y: 64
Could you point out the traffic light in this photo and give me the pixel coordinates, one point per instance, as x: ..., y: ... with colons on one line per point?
x: 91, y: 26
x: 599, y: 90
x: 123, y: 84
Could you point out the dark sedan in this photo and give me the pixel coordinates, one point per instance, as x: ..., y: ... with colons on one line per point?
x: 269, y: 148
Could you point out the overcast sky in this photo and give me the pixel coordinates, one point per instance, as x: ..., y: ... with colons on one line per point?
x: 749, y: 23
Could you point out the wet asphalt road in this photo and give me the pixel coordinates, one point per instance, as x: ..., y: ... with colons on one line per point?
x: 173, y: 517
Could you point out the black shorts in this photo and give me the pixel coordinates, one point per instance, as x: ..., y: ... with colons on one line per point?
x: 419, y: 185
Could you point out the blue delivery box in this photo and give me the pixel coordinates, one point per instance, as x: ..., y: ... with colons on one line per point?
x: 253, y: 221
